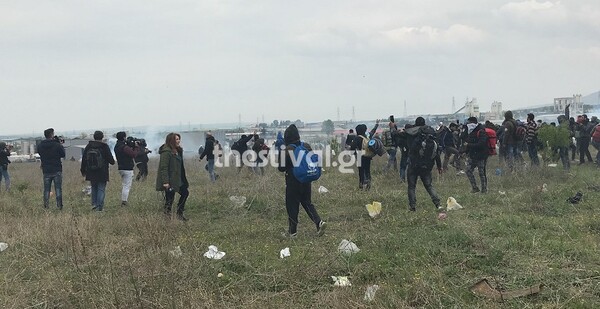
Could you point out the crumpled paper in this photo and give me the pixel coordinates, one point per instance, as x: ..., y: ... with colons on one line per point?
x: 374, y: 209
x: 284, y: 253
x: 3, y: 246
x: 323, y: 189
x: 238, y: 201
x: 451, y: 204
x: 176, y: 252
x: 370, y: 292
x: 341, y: 281
x: 347, y: 247
x: 214, y: 253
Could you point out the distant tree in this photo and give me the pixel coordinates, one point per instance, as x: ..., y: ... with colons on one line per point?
x: 328, y: 127
x: 275, y: 124
x: 262, y: 125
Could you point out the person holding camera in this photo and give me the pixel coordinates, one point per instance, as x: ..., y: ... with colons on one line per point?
x: 171, y: 175
x: 94, y: 167
x: 51, y: 152
x: 4, y: 161
x: 126, y: 151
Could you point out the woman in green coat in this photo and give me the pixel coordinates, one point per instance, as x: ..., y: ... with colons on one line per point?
x: 171, y: 174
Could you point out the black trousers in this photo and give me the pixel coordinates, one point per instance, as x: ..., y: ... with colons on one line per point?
x: 143, y: 171
x: 364, y: 172
x: 170, y: 197
x: 297, y: 194
x: 584, y: 149
x: 425, y: 174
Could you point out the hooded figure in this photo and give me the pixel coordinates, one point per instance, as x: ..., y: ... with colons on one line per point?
x: 4, y: 161
x: 364, y: 170
x: 296, y: 193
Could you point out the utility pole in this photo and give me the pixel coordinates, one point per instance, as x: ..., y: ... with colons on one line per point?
x: 453, y: 106
x: 405, y: 114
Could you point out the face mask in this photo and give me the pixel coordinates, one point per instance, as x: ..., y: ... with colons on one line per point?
x: 471, y: 127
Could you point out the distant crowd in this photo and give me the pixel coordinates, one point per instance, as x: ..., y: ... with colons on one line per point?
x: 464, y: 146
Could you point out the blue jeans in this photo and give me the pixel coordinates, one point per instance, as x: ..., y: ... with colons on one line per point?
x: 403, y: 164
x: 210, y: 167
x: 512, y: 153
x: 98, y: 193
x: 57, y: 179
x: 533, y: 154
x: 4, y: 174
x: 392, y: 162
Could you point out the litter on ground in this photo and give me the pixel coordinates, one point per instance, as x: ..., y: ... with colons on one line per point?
x: 451, y: 204
x: 374, y: 209
x: 347, y: 247
x: 284, y: 253
x: 370, y: 292
x: 238, y: 201
x: 3, y: 246
x: 176, y: 252
x: 323, y: 189
x: 214, y: 253
x: 483, y: 288
x: 341, y: 281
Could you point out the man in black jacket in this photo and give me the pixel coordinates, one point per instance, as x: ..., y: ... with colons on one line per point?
x: 478, y: 152
x: 125, y: 153
x: 94, y: 167
x: 51, y: 152
x: 209, y: 148
x: 4, y: 161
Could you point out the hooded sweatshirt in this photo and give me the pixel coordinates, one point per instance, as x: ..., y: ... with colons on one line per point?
x: 291, y: 138
x: 510, y: 129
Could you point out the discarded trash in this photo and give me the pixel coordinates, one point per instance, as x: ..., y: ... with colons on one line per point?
x: 284, y: 253
x: 483, y: 288
x: 544, y: 188
x: 374, y: 209
x: 575, y: 199
x: 177, y: 252
x: 502, y: 192
x: 498, y: 172
x: 341, y: 281
x: 238, y: 201
x: 347, y: 247
x: 451, y: 204
x: 370, y: 293
x: 220, y: 275
x: 214, y: 253
x: 442, y: 216
x: 323, y: 189
x: 3, y: 246
x: 552, y: 165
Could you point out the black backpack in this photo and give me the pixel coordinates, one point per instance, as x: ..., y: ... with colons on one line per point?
x: 94, y: 159
x: 424, y: 148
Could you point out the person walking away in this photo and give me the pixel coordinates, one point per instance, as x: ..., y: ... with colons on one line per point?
x: 296, y: 192
x: 532, y: 139
x: 349, y: 139
x: 423, y: 152
x: 448, y: 147
x: 51, y: 153
x: 209, y: 148
x: 391, y: 149
x: 125, y: 151
x: 171, y: 176
x: 94, y: 167
x: 583, y: 139
x: 509, y: 139
x: 4, y: 162
x: 478, y: 151
x: 360, y: 146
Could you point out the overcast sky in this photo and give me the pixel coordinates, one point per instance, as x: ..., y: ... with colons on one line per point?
x: 97, y: 64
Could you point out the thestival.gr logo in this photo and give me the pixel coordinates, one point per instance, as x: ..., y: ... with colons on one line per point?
x: 344, y: 161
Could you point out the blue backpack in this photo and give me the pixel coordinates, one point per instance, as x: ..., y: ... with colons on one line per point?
x: 305, y: 169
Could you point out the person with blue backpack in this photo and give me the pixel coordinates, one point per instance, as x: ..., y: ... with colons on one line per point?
x: 360, y: 145
x: 301, y: 167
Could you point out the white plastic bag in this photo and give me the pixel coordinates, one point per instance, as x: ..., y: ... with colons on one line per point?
x: 347, y: 247
x: 3, y: 246
x: 370, y: 293
x: 177, y: 252
x: 284, y: 253
x: 238, y: 201
x: 341, y: 281
x: 451, y: 204
x: 323, y: 189
x: 214, y: 253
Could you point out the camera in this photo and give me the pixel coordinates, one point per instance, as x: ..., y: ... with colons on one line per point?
x: 59, y: 138
x: 134, y: 141
x: 392, y: 118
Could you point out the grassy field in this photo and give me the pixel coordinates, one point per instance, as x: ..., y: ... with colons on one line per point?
x: 120, y: 258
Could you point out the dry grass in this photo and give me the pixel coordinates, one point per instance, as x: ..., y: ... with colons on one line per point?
x: 80, y: 259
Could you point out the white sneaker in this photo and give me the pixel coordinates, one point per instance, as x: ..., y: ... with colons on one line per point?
x: 321, y: 228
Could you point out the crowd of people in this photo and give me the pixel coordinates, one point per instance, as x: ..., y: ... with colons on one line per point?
x: 464, y: 146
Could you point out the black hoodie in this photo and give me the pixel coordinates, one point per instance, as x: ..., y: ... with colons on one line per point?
x: 209, y: 148
x: 51, y: 152
x: 291, y: 136
x: 100, y: 175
